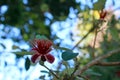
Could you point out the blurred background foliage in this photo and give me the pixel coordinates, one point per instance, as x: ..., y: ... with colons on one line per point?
x: 21, y: 20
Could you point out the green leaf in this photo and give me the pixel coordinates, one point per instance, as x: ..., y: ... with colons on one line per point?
x: 44, y: 71
x: 44, y: 7
x: 115, y: 34
x: 99, y: 5
x: 91, y: 72
x: 60, y: 48
x: 68, y: 71
x: 41, y: 37
x: 15, y: 47
x: 23, y: 53
x: 27, y: 63
x: 42, y: 77
x: 3, y: 45
x: 67, y: 55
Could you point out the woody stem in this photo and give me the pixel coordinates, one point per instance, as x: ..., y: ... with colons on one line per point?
x: 51, y: 71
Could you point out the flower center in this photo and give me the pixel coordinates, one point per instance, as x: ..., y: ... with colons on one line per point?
x: 43, y: 58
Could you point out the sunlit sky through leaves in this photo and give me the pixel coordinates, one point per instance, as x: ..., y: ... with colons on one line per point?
x: 16, y: 71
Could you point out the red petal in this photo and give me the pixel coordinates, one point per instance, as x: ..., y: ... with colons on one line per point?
x: 50, y: 58
x: 34, y: 48
x: 103, y: 14
x: 35, y: 58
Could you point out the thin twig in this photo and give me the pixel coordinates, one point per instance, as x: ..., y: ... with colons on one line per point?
x: 51, y: 72
x: 83, y: 77
x: 83, y: 38
x: 75, y: 69
x: 96, y: 61
x: 93, y: 54
x: 108, y: 64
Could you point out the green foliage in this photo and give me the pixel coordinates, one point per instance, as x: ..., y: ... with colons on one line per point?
x: 22, y: 53
x: 30, y: 20
x: 14, y: 14
x: 27, y: 63
x: 40, y: 37
x: 67, y: 55
x: 44, y: 71
x: 3, y: 45
x: 115, y: 33
x: 107, y: 73
x: 60, y: 7
x: 90, y: 72
x: 41, y: 63
x: 99, y: 5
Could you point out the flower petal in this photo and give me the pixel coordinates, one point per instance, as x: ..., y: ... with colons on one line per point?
x: 50, y: 58
x: 35, y: 58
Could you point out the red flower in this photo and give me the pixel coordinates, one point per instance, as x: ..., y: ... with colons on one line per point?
x: 103, y: 14
x: 41, y: 49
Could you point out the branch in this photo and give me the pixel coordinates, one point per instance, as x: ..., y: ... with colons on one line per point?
x: 92, y: 29
x: 96, y: 61
x: 93, y: 51
x: 108, y: 63
x: 96, y: 26
x: 83, y: 77
x: 51, y: 72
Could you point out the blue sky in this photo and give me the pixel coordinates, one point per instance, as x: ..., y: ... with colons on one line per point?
x: 60, y: 28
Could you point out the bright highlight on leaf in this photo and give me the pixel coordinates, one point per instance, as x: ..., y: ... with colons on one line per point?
x: 67, y: 55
